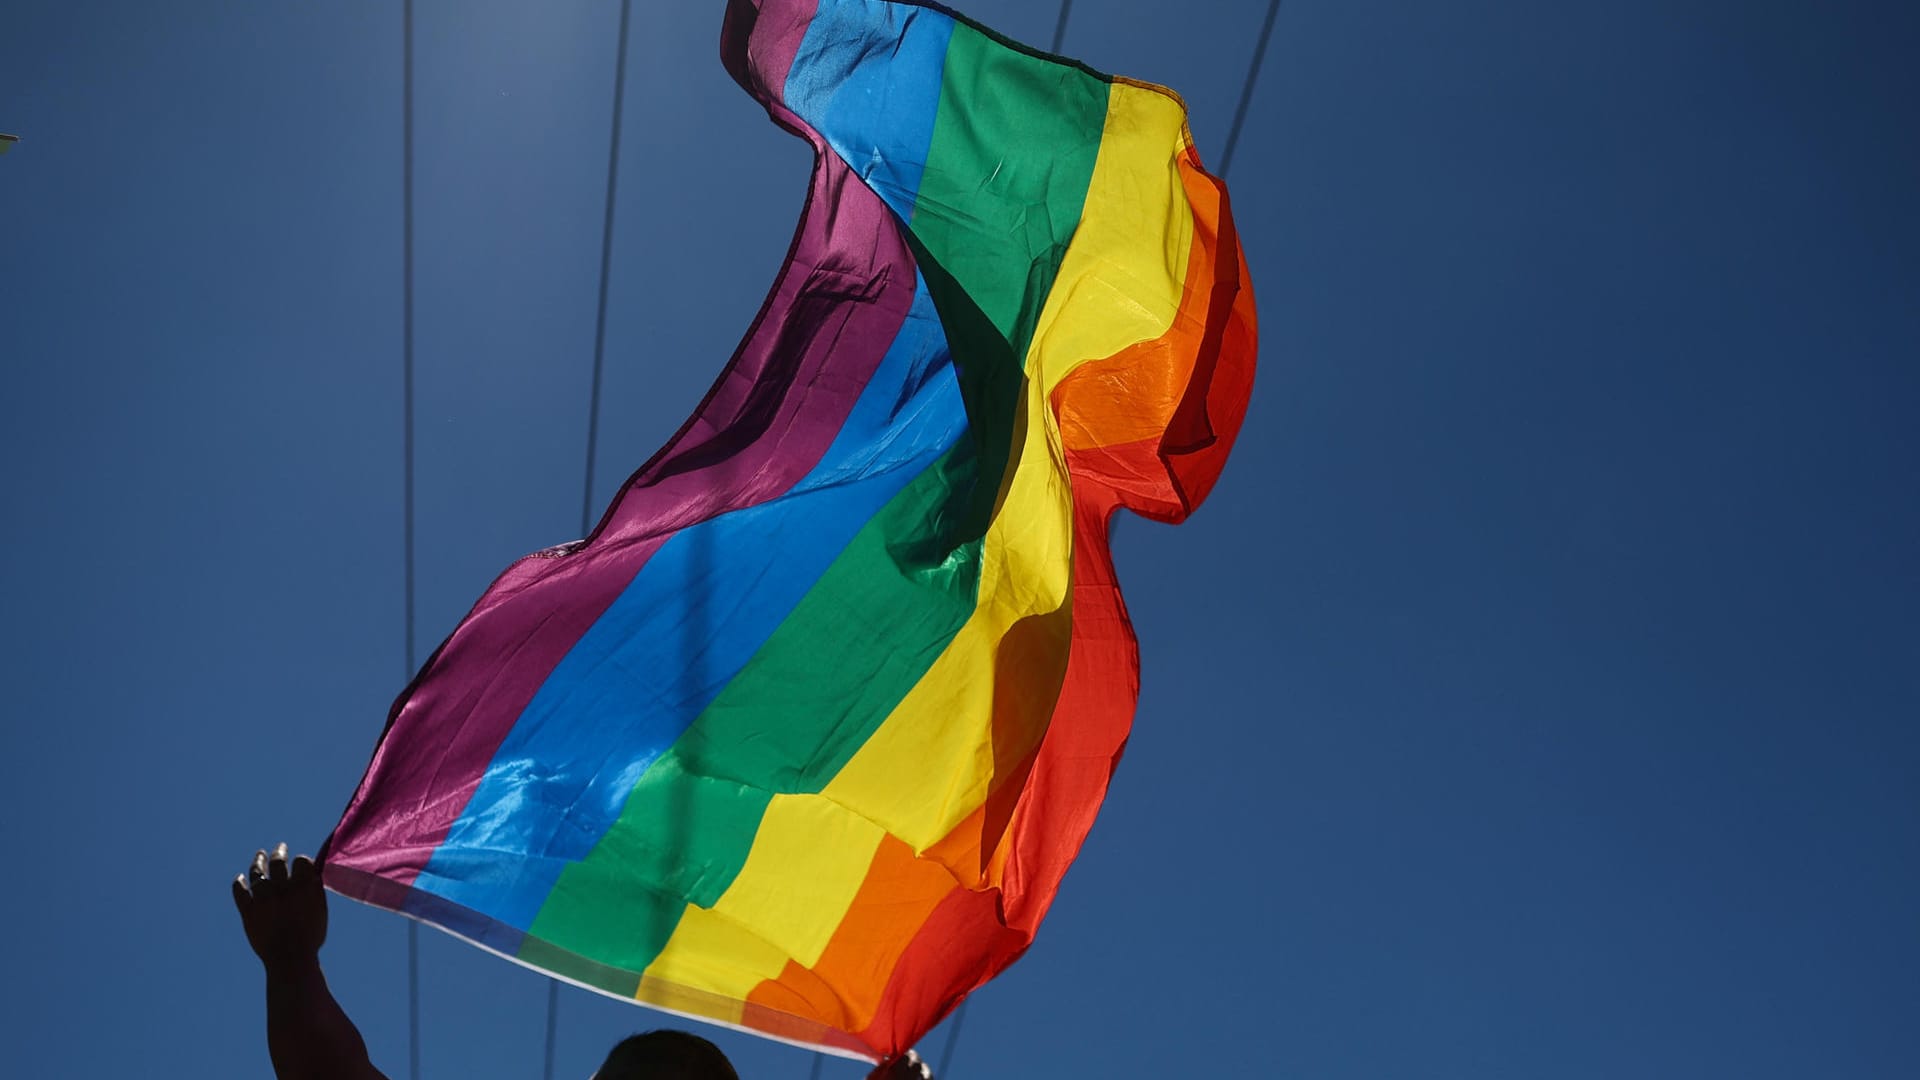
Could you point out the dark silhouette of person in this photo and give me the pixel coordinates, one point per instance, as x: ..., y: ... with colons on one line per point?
x: 284, y: 912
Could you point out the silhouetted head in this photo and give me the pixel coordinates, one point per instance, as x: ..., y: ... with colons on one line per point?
x: 666, y: 1055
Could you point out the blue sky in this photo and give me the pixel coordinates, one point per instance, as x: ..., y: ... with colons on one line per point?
x: 1536, y: 696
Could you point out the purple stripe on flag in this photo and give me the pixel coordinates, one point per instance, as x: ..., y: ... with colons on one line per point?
x: 763, y: 426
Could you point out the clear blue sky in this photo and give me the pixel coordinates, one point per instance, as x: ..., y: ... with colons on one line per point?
x: 1538, y: 696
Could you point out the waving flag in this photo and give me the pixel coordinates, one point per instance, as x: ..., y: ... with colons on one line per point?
x: 804, y: 736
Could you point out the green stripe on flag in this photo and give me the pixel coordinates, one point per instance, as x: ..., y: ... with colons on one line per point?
x: 1013, y: 152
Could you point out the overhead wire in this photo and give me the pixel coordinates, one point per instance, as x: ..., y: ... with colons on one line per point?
x: 606, y: 264
x: 1246, y: 90
x: 407, y: 441
x: 406, y: 394
x: 953, y: 1038
x: 599, y: 370
x: 553, y: 1009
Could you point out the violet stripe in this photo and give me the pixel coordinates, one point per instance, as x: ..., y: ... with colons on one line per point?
x: 764, y: 425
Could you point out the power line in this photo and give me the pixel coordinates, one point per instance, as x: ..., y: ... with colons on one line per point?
x: 406, y: 323
x: 406, y: 314
x: 599, y: 368
x: 606, y: 262
x: 553, y: 1007
x: 953, y: 1039
x: 1246, y: 91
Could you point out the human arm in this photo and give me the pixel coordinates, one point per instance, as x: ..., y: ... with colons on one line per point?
x: 284, y: 912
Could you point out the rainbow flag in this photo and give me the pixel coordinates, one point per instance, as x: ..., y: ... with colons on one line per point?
x: 804, y: 736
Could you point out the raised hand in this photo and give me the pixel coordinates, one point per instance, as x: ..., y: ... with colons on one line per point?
x: 284, y: 912
x: 282, y: 907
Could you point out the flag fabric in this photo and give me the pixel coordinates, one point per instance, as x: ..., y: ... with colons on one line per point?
x: 802, y: 738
